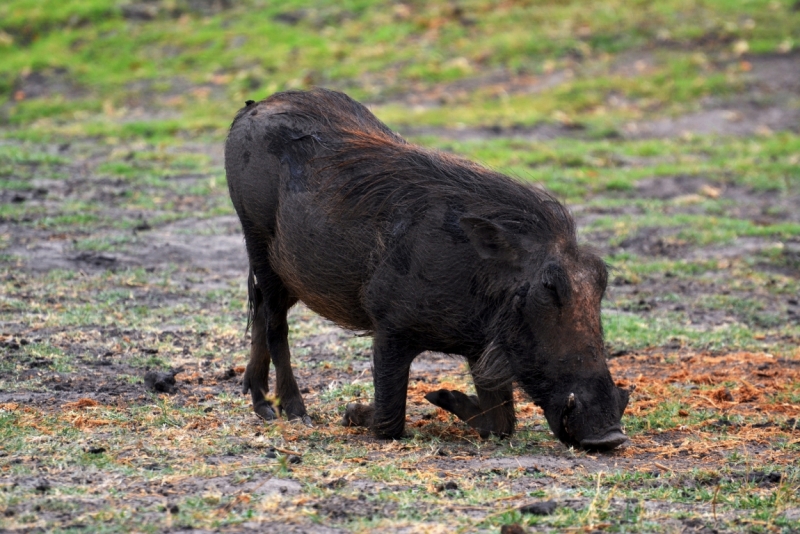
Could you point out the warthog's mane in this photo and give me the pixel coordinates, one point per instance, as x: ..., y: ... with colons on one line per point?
x: 372, y: 176
x: 492, y: 371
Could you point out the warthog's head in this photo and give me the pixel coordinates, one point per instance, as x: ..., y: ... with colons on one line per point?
x: 550, y: 331
x: 589, y: 415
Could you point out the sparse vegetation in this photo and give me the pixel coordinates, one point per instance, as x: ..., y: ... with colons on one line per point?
x: 670, y: 128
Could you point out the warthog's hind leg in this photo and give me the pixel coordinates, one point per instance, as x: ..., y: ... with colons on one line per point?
x: 256, y: 376
x: 270, y: 341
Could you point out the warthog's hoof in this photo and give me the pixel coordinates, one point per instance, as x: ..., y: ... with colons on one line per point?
x: 454, y: 402
x: 467, y: 408
x: 265, y: 411
x: 305, y: 419
x: 358, y: 415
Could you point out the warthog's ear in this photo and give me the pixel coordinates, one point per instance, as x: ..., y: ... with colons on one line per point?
x: 491, y: 240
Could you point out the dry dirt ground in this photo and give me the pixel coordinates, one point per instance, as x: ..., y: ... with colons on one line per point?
x: 189, y: 272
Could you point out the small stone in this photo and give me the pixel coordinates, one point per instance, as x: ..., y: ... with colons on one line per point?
x: 294, y: 459
x: 513, y: 528
x: 539, y: 508
x: 723, y: 394
x: 173, y: 509
x: 336, y: 484
x: 227, y: 374
x: 449, y: 485
x: 160, y: 382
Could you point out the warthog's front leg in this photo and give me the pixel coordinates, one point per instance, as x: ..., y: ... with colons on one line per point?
x: 490, y: 412
x: 386, y: 417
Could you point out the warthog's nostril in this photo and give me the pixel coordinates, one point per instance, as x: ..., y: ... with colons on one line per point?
x: 608, y: 440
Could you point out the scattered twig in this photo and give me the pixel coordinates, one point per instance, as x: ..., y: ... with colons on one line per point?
x: 287, y: 451
x: 509, y: 498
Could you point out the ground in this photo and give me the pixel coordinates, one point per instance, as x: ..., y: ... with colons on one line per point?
x: 673, y: 138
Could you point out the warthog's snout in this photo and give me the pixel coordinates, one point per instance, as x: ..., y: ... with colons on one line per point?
x: 610, y: 439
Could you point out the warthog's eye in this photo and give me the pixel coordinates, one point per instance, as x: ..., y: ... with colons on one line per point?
x: 553, y: 291
x: 555, y: 280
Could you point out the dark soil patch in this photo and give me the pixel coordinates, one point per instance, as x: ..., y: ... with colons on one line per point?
x: 655, y: 242
x: 143, y: 11
x: 538, y: 132
x: 493, y: 85
x: 338, y: 508
x: 734, y: 119
x: 774, y: 74
x: 47, y: 83
x: 763, y: 207
x: 706, y: 299
x: 181, y: 244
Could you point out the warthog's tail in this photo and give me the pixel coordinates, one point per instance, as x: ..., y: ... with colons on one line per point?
x: 253, y: 299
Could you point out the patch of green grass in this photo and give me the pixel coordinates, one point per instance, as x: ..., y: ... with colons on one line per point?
x: 579, y: 171
x: 20, y: 161
x: 180, y: 59
x: 629, y: 331
x: 103, y: 244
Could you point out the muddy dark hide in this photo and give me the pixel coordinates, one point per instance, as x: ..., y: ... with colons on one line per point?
x: 427, y: 252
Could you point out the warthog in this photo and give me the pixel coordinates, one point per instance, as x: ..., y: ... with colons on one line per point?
x: 425, y: 250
